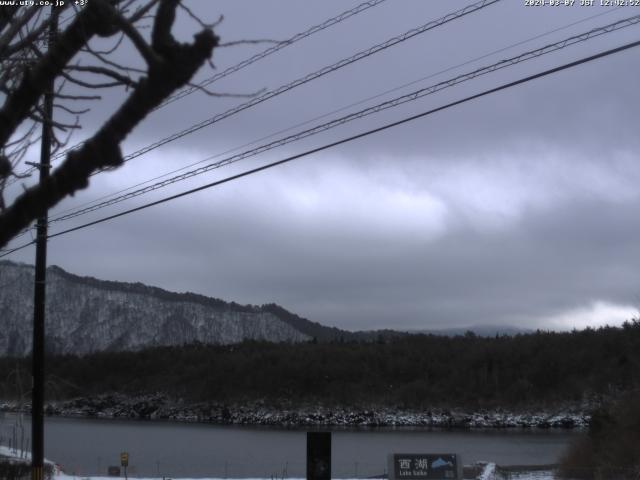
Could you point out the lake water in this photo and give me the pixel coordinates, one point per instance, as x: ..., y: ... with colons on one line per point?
x: 89, y: 446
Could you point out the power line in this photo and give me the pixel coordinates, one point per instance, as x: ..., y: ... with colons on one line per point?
x: 273, y: 49
x: 6, y: 253
x: 245, y: 63
x: 529, y: 55
x: 505, y: 86
x: 359, y: 102
x: 284, y: 88
x: 385, y: 105
x: 310, y: 77
x: 377, y: 108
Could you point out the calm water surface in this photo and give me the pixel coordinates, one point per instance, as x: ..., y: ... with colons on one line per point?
x: 89, y: 446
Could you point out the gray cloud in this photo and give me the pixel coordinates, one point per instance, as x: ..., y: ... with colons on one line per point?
x: 517, y: 208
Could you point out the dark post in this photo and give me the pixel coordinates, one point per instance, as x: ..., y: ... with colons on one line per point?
x: 318, y: 455
x: 37, y: 367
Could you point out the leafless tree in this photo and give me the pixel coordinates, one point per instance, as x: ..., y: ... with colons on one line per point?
x: 30, y: 60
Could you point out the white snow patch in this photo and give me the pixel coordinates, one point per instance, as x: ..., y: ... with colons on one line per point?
x: 15, y: 454
x: 87, y: 477
x: 489, y: 471
x: 540, y: 475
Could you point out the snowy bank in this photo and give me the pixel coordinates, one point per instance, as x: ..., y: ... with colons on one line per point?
x: 16, y: 463
x: 160, y: 407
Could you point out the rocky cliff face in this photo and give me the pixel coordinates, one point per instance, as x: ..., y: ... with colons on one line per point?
x: 86, y: 315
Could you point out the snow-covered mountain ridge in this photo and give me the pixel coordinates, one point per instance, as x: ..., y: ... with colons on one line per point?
x: 85, y: 315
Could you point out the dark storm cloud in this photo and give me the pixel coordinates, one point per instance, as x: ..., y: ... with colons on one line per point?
x: 517, y: 208
x: 562, y: 96
x: 356, y: 253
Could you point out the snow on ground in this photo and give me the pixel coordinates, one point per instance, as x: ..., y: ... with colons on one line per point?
x: 82, y: 477
x: 13, y: 453
x: 16, y: 456
x: 541, y: 475
x: 72, y: 477
x: 492, y: 471
x: 489, y: 472
x: 159, y: 406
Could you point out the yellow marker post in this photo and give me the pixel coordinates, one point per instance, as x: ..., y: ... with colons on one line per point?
x: 124, y: 461
x: 36, y: 473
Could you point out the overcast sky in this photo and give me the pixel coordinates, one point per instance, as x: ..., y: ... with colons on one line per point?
x: 519, y: 208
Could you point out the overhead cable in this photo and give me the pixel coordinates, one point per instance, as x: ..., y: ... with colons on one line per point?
x: 245, y: 63
x: 362, y: 113
x: 308, y: 78
x: 273, y: 49
x: 345, y: 140
x: 338, y: 110
x: 358, y: 136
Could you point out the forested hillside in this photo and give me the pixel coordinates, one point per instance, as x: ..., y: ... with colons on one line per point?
x: 414, y: 371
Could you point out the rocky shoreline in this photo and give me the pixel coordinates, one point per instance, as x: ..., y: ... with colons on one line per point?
x: 160, y: 407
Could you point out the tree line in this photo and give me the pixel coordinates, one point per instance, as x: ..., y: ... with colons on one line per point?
x: 416, y: 371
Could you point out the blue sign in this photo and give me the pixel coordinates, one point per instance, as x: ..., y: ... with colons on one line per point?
x: 428, y: 466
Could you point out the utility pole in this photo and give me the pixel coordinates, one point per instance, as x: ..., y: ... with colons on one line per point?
x: 37, y: 367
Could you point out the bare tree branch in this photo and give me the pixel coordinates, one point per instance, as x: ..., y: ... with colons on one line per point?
x: 21, y: 139
x: 15, y: 29
x: 70, y: 110
x: 199, y: 20
x: 176, y: 64
x: 6, y: 16
x: 140, y: 43
x: 25, y: 96
x: 161, y: 39
x: 121, y: 79
x: 78, y: 97
x: 90, y: 85
x: 39, y: 116
x: 141, y: 12
x: 32, y: 35
x: 100, y: 53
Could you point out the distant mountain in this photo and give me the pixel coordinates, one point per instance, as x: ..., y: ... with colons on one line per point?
x: 84, y: 315
x: 313, y: 330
